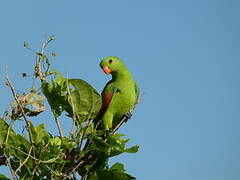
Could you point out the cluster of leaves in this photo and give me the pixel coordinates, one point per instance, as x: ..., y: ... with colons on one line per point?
x: 37, y: 154
x: 74, y: 96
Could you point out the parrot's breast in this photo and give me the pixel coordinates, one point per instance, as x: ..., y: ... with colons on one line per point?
x: 123, y: 100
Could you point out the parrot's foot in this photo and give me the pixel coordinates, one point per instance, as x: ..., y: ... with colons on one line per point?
x: 106, y: 133
x: 128, y: 115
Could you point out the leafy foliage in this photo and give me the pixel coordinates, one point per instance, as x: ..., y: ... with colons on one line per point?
x: 3, y: 177
x: 36, y: 153
x: 72, y: 96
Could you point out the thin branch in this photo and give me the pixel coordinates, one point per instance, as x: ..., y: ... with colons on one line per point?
x: 85, y: 176
x: 21, y: 108
x: 38, y: 62
x: 73, y: 122
x: 88, y: 122
x: 75, y: 168
x: 8, y: 132
x: 59, y: 126
x: 83, y: 134
x: 75, y: 115
x: 124, y: 119
x: 44, y: 162
x: 9, y: 83
x: 41, y: 56
x: 53, y: 172
x: 40, y: 74
x: 119, y: 124
x: 25, y: 161
x: 35, y: 169
x: 14, y: 176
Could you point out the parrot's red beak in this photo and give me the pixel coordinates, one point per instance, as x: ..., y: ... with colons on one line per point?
x: 106, y: 70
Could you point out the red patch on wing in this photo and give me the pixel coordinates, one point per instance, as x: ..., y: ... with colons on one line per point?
x: 106, y: 101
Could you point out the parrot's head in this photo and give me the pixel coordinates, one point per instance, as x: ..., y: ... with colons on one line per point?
x: 111, y: 65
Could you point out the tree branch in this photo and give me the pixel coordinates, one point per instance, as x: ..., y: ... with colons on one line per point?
x: 21, y: 108
x: 59, y: 126
x: 25, y: 161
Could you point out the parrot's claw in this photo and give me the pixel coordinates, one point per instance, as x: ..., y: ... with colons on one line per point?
x: 128, y: 115
x: 106, y: 133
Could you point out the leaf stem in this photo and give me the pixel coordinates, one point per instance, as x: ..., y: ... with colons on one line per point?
x: 59, y: 126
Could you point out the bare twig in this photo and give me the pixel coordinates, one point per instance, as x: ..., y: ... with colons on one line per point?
x: 75, y: 168
x: 40, y: 57
x: 59, y: 126
x: 42, y: 77
x: 83, y: 134
x: 38, y: 63
x: 14, y: 176
x: 9, y: 83
x: 21, y: 108
x: 41, y: 161
x: 35, y: 169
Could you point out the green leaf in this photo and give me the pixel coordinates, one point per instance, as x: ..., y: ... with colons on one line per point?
x: 40, y: 135
x: 56, y: 141
x: 67, y: 143
x: 23, y: 142
x: 75, y: 96
x: 118, y: 145
x: 133, y: 149
x: 3, y: 130
x: 2, y: 177
x: 54, y: 99
x: 100, y: 142
x: 115, y: 140
x: 84, y: 99
x: 6, y: 133
x: 10, y: 141
x: 118, y: 167
x: 111, y: 175
x: 59, y: 79
x: 115, y: 152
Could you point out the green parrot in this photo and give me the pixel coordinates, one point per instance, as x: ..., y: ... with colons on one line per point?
x: 119, y: 96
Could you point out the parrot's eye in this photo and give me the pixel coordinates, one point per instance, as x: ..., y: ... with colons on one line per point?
x: 110, y: 61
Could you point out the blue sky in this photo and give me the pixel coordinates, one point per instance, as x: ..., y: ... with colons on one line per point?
x: 185, y: 56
